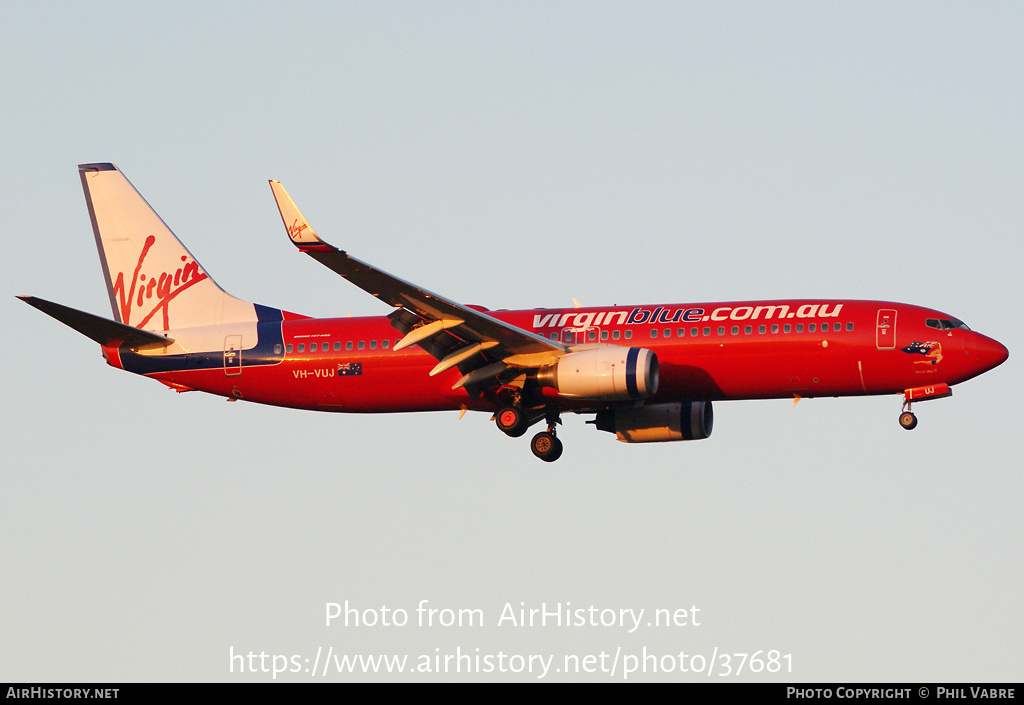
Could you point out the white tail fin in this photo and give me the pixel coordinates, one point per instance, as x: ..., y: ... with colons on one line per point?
x: 153, y: 281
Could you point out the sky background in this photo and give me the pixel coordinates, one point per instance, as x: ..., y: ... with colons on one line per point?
x: 515, y: 155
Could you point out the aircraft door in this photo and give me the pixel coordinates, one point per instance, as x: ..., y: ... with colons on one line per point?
x: 885, y: 329
x: 233, y: 355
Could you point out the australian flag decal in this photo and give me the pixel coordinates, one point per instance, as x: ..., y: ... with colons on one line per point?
x: 350, y: 369
x: 931, y: 350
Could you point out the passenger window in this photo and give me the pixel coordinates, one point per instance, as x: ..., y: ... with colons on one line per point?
x: 654, y: 332
x: 787, y: 328
x: 312, y: 347
x: 799, y: 327
x: 849, y: 326
x: 348, y: 345
x: 707, y: 331
x: 362, y: 344
x: 384, y: 343
x: 302, y: 347
x: 681, y: 332
x: 668, y: 332
x: 629, y: 334
x: 289, y: 348
x: 693, y: 332
x: 747, y: 330
x: 760, y: 329
x: 735, y: 330
x: 591, y: 335
x: 615, y: 335
x: 373, y: 345
x: 604, y: 335
x: 277, y: 349
x: 721, y: 330
x: 337, y: 345
x: 775, y: 328
x: 810, y: 328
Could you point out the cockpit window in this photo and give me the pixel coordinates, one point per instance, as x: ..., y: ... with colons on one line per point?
x: 945, y: 323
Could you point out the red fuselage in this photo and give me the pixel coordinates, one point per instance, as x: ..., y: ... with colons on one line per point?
x: 706, y: 351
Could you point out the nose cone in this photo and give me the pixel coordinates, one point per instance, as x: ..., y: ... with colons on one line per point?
x: 988, y: 353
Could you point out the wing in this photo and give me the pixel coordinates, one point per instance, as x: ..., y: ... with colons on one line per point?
x: 481, y: 346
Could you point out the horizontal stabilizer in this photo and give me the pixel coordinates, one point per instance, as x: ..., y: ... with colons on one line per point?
x: 104, y: 331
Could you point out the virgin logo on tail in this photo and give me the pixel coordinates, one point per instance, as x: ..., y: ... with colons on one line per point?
x: 295, y: 229
x: 155, y: 289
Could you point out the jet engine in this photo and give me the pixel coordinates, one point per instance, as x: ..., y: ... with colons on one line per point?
x: 610, y: 373
x: 686, y: 421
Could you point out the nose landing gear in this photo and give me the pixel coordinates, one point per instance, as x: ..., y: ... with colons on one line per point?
x: 908, y: 420
x: 935, y: 391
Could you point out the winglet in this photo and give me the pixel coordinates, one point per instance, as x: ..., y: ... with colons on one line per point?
x: 295, y: 223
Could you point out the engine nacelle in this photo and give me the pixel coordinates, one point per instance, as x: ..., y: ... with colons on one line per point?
x: 687, y: 421
x: 610, y: 372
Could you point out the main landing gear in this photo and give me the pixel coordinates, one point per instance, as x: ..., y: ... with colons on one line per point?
x: 546, y: 446
x: 513, y: 421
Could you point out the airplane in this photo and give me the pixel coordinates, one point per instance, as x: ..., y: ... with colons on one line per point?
x: 647, y: 373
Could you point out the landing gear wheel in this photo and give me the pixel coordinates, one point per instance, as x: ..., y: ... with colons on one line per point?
x: 908, y: 420
x: 511, y: 421
x: 546, y: 446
